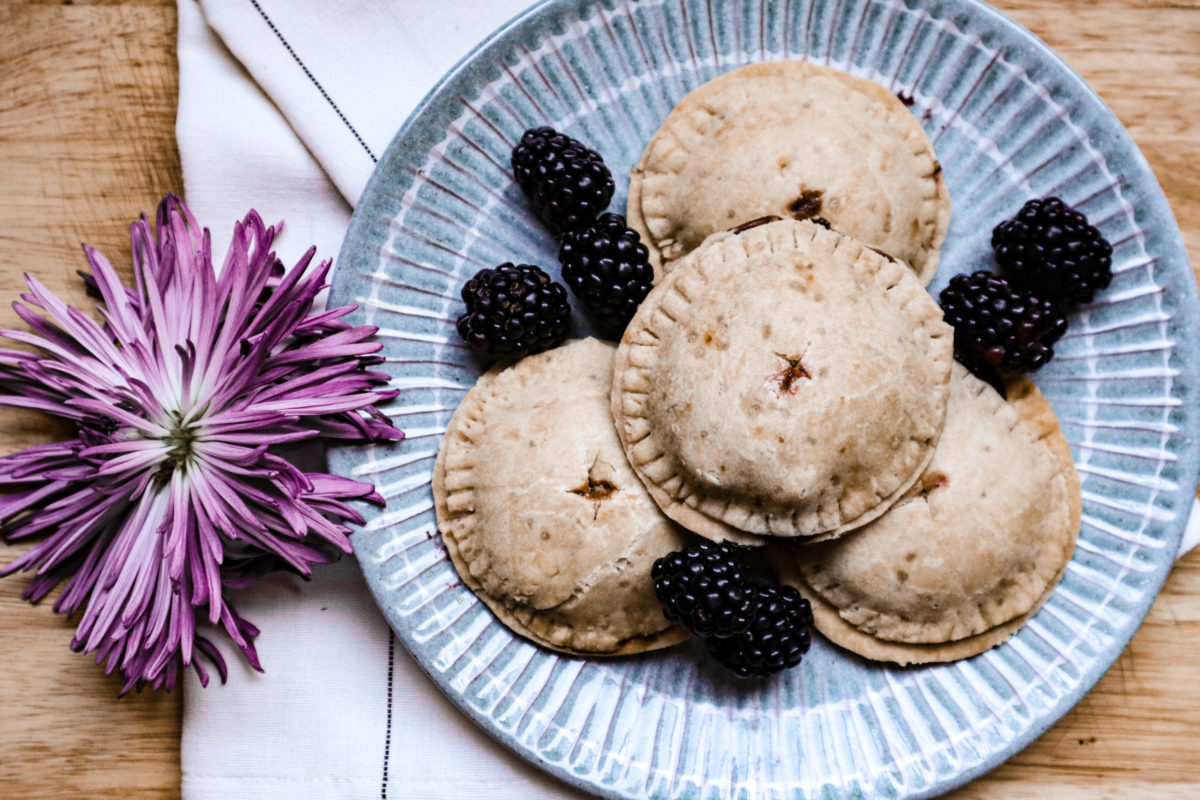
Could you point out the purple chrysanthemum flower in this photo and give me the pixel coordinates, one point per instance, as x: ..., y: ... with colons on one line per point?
x: 173, y: 488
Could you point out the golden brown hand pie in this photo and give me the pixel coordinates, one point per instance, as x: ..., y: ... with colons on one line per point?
x: 957, y: 566
x: 783, y: 381
x: 541, y: 514
x: 789, y: 138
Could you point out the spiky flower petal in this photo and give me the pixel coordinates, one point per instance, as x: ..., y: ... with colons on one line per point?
x: 174, y: 489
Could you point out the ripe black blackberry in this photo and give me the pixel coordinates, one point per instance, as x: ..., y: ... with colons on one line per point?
x: 608, y: 268
x: 1052, y: 251
x: 998, y: 328
x: 514, y: 309
x: 777, y: 639
x: 704, y: 588
x: 566, y: 182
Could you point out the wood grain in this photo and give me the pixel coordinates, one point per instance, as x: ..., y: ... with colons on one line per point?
x: 87, y: 115
x: 87, y: 108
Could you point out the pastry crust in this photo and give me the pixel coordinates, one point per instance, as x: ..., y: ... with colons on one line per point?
x: 783, y: 381
x: 959, y: 566
x: 542, y: 516
x: 785, y: 138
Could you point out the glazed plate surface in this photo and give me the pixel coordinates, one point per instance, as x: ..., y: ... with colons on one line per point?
x: 1009, y: 122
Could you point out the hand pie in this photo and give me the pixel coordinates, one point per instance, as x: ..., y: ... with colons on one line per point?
x: 791, y: 139
x: 782, y: 381
x: 966, y: 558
x: 541, y: 514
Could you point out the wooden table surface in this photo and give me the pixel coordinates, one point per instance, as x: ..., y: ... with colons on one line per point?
x: 87, y: 114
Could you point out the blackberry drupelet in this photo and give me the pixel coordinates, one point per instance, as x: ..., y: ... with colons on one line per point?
x: 608, y: 268
x: 1052, y: 251
x: 998, y: 328
x: 777, y: 639
x: 514, y: 309
x: 704, y: 588
x: 566, y: 182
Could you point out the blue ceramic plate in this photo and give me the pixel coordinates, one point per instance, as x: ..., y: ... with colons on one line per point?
x: 1009, y: 121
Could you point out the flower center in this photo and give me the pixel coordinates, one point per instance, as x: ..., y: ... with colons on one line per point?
x: 180, y: 442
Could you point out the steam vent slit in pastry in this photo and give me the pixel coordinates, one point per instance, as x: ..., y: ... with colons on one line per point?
x: 967, y: 556
x: 782, y: 381
x: 541, y: 514
x: 791, y: 139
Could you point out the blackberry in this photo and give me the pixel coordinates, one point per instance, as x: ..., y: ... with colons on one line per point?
x: 1052, y: 251
x: 514, y: 309
x: 704, y: 588
x: 608, y: 268
x: 777, y: 639
x: 566, y: 182
x: 997, y: 328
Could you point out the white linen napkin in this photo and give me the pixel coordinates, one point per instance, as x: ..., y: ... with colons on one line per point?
x: 342, y: 711
x: 284, y: 105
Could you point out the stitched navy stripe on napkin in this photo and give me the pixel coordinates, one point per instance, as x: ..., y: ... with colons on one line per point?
x: 314, y: 80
